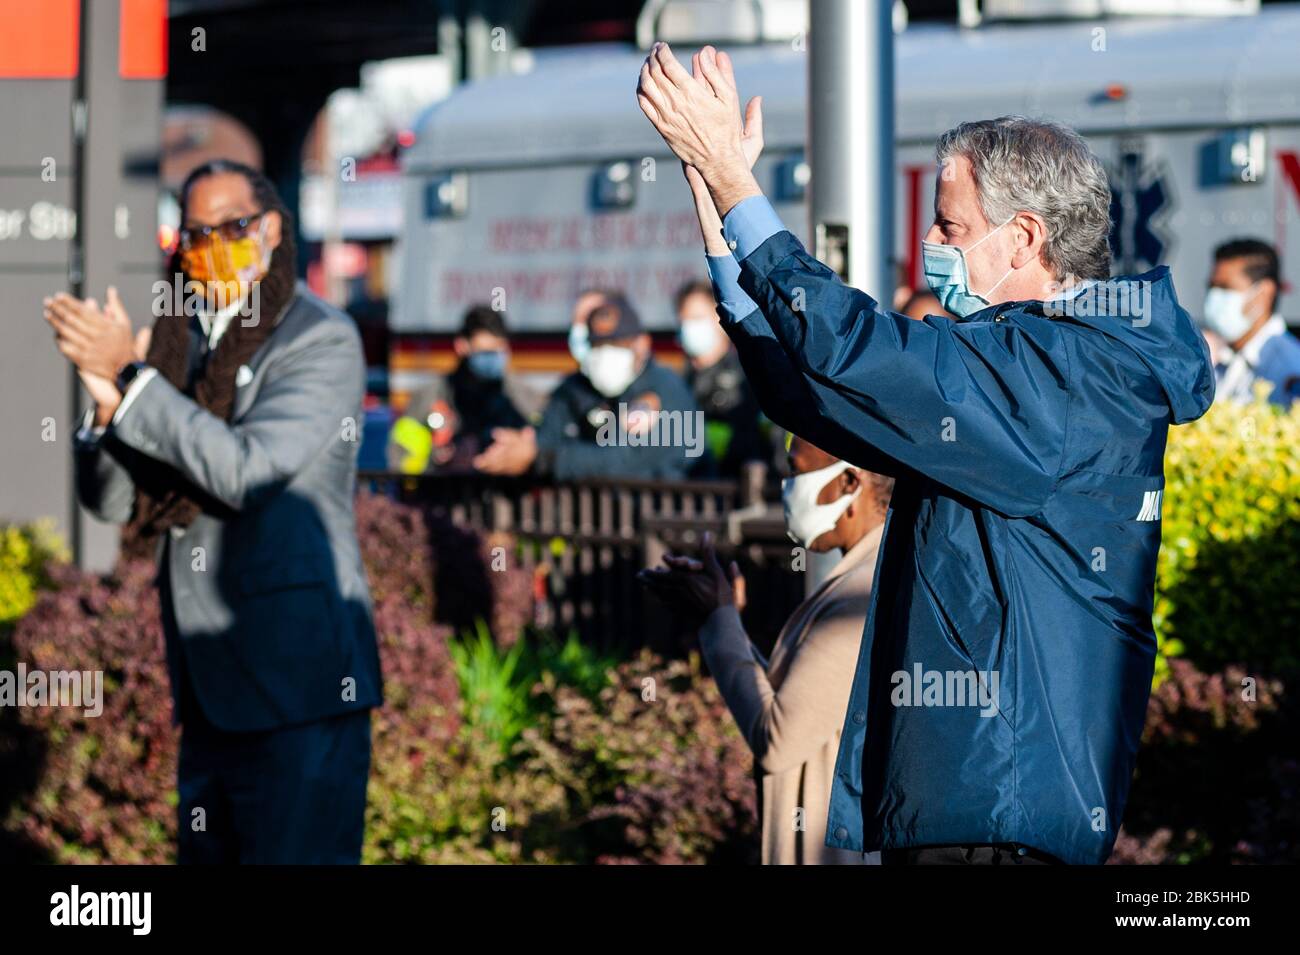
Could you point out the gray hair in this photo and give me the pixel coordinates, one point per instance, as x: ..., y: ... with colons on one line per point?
x: 882, y: 486
x: 1042, y: 167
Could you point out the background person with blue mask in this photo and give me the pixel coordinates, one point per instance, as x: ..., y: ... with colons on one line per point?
x: 451, y: 420
x: 1248, y: 338
x: 1027, y: 442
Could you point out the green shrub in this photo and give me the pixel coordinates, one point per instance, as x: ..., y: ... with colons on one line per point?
x: 496, y: 683
x: 1217, y: 773
x: 628, y: 776
x: 25, y: 553
x: 1228, y: 581
x: 435, y: 799
x: 77, y: 788
x: 494, y: 693
x: 653, y: 769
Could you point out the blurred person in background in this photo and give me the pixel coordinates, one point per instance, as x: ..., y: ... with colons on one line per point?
x: 600, y: 421
x: 903, y: 290
x: 579, y: 335
x: 718, y: 383
x: 233, y: 442
x: 451, y: 419
x: 1248, y: 338
x: 922, y: 303
x: 791, y: 710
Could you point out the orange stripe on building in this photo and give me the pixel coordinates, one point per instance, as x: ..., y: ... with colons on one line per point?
x: 39, y: 40
x: 142, y: 40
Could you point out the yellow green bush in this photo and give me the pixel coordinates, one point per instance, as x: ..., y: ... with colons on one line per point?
x: 1228, y: 581
x: 25, y: 550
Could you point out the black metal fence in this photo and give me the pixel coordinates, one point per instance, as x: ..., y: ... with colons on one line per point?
x: 588, y: 539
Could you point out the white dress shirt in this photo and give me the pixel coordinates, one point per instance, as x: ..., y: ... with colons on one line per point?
x: 1237, y: 381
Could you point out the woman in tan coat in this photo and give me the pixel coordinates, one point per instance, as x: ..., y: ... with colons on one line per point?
x: 791, y: 709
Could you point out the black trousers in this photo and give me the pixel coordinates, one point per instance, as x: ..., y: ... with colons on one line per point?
x: 967, y: 855
x: 294, y: 795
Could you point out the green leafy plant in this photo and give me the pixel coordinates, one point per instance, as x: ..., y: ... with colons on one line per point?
x: 494, y: 688
x: 26, y: 551
x: 1228, y: 579
x: 653, y: 769
x: 497, y: 683
x: 572, y: 663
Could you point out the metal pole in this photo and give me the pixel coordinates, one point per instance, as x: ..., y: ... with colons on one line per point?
x: 851, y: 154
x: 76, y: 522
x: 851, y: 140
x: 117, y: 204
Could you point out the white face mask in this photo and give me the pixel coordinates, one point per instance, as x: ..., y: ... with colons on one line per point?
x: 1225, y: 313
x: 699, y: 336
x: 610, y: 369
x: 805, y: 519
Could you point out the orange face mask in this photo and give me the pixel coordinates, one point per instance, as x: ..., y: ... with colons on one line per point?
x: 227, y: 261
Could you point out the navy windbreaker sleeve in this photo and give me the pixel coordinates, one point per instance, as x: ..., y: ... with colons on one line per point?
x: 786, y: 398
x: 980, y: 407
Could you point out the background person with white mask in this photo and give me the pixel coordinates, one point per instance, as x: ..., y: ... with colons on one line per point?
x: 790, y: 710
x: 1248, y: 338
x: 713, y: 373
x: 588, y: 300
x: 619, y: 382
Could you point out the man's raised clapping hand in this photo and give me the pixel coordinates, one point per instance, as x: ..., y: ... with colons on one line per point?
x: 698, y: 115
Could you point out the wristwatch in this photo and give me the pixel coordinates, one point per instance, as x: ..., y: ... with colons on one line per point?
x: 128, y: 374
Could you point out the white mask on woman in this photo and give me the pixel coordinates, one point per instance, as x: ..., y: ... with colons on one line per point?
x: 805, y: 519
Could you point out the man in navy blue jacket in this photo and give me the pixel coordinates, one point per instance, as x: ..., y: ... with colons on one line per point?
x: 1002, y: 686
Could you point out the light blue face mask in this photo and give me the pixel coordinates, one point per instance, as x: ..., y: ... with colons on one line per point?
x: 579, y: 343
x: 1225, y: 313
x: 488, y: 365
x: 948, y: 276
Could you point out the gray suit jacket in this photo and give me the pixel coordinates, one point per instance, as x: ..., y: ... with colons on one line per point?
x: 266, y: 603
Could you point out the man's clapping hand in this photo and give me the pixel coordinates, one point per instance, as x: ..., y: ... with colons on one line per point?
x: 699, y: 118
x: 98, y: 342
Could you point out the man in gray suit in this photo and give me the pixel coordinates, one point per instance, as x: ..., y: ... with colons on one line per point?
x: 234, y: 441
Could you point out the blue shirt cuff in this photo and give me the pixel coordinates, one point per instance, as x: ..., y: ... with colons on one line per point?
x: 724, y: 271
x: 749, y: 224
